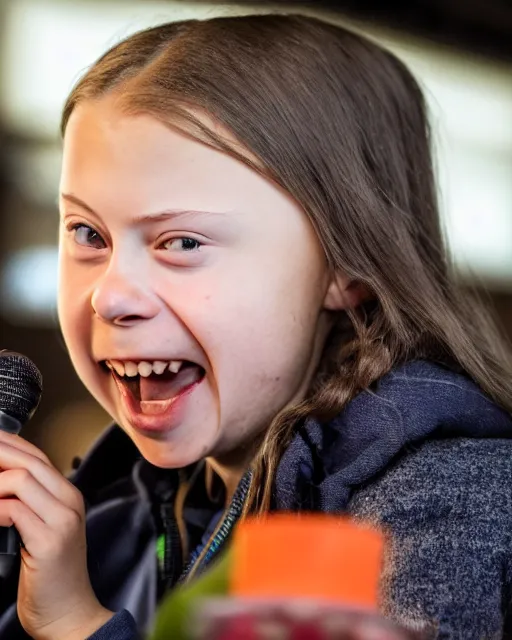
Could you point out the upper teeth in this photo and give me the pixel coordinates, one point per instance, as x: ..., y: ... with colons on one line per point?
x: 144, y: 368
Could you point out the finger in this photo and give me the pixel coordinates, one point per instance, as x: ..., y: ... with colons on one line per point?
x: 29, y: 526
x: 45, y: 526
x: 39, y: 541
x: 14, y: 458
x: 22, y: 484
x: 23, y: 445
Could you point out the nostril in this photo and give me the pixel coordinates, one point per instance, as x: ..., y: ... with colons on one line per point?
x: 128, y: 320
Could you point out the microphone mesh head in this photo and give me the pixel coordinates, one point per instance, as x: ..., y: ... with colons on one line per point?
x: 21, y: 386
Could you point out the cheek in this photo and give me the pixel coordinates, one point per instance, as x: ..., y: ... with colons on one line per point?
x: 67, y: 300
x: 73, y: 312
x: 256, y: 332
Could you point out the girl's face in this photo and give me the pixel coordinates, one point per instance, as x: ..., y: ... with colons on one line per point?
x: 176, y: 256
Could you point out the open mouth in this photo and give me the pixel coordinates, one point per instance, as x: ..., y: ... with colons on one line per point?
x: 152, y: 385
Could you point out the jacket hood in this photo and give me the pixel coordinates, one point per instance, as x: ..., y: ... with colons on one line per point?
x: 417, y: 401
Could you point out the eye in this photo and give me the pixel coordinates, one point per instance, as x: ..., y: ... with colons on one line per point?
x: 182, y: 244
x: 87, y: 237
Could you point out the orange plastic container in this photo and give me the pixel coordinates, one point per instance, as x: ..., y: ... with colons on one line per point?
x: 307, y: 556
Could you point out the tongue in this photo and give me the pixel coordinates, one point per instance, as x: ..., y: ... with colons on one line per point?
x: 167, y: 386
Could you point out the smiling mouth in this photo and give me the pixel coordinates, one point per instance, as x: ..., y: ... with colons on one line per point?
x: 153, y: 392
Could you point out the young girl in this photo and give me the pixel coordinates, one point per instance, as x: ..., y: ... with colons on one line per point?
x: 253, y: 283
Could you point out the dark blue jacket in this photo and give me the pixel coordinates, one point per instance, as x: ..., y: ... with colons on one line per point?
x: 424, y: 454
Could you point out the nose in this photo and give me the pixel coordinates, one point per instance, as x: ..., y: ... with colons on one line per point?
x: 122, y: 298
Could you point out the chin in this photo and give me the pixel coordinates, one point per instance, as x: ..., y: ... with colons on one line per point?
x: 167, y: 455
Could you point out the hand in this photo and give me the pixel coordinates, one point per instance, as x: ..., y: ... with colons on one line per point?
x: 55, y: 597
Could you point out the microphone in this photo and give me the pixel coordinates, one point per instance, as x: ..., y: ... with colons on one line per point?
x: 21, y: 387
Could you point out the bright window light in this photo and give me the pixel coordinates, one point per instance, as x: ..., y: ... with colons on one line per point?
x: 470, y: 104
x: 28, y: 287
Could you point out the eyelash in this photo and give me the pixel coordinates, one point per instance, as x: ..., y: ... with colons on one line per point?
x: 75, y: 227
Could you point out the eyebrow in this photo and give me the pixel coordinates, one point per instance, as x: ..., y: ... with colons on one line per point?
x: 149, y: 217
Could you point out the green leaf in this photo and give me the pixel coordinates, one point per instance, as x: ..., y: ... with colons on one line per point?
x: 174, y: 614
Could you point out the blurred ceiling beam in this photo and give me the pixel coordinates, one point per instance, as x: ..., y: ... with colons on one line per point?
x: 479, y: 26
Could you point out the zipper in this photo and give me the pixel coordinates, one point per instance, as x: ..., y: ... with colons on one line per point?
x: 221, y: 531
x: 170, y: 566
x: 175, y: 539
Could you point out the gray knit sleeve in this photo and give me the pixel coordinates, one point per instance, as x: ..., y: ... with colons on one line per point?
x: 447, y: 507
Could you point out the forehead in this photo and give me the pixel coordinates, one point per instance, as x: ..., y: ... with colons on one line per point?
x: 101, y: 138
x: 104, y: 147
x: 112, y: 160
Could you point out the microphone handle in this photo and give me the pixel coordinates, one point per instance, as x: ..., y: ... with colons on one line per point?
x: 9, y: 538
x: 9, y: 424
x: 10, y: 542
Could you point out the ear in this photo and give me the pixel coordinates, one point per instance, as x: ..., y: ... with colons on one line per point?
x: 344, y: 293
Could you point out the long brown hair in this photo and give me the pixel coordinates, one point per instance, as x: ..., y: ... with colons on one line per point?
x: 340, y: 123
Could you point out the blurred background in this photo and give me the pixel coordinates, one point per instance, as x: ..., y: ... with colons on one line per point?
x: 460, y: 50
